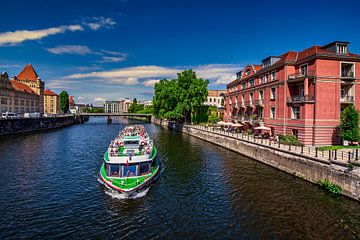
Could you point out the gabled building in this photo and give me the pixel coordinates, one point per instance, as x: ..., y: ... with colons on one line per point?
x: 29, y: 77
x: 299, y: 93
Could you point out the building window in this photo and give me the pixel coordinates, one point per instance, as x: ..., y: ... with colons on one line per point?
x: 22, y: 102
x: 247, y: 73
x: 252, y: 82
x: 295, y: 132
x: 260, y: 112
x: 243, y: 86
x: 347, y: 70
x: 4, y: 101
x: 261, y: 95
x: 16, y: 101
x: 273, y: 94
x: 304, y: 70
x: 295, y: 112
x: 273, y: 75
x: 341, y: 48
x: 272, y: 112
x: 251, y: 97
x: 27, y: 103
x: 261, y: 79
x: 266, y: 77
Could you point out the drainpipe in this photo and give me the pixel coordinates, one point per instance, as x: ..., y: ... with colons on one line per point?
x: 285, y: 105
x: 314, y: 123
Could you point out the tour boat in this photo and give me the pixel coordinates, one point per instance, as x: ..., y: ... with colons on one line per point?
x: 130, y: 162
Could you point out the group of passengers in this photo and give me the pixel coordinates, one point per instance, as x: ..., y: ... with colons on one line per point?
x: 136, y: 130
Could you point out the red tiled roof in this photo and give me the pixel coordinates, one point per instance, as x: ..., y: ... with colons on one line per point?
x: 22, y: 87
x: 258, y: 67
x: 28, y: 73
x: 50, y: 93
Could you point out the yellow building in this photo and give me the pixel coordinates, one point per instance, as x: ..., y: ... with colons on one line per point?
x: 51, y: 102
x: 29, y: 77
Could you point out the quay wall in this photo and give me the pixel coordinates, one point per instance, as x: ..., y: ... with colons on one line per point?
x: 24, y: 125
x: 301, y: 166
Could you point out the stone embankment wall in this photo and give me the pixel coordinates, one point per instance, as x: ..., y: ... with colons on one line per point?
x: 23, y: 125
x: 306, y: 168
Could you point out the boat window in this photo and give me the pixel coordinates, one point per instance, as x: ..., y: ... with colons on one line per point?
x: 113, y: 170
x: 144, y: 168
x: 133, y: 142
x: 129, y: 171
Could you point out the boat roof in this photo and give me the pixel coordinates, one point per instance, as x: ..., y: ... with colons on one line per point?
x: 131, y: 138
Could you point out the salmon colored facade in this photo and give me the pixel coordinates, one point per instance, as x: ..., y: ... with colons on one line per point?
x: 299, y: 93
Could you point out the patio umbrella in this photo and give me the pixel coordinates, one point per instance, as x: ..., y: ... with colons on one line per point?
x: 262, y: 127
x: 237, y: 125
x: 220, y: 123
x: 228, y: 124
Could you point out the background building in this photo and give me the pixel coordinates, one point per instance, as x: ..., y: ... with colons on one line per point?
x: 51, y: 102
x: 117, y: 106
x: 29, y: 77
x: 17, y: 97
x: 216, y: 98
x: 299, y: 93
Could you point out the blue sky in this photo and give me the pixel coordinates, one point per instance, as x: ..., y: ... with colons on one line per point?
x: 112, y: 49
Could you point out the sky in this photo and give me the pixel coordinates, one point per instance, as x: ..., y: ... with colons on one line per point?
x: 112, y: 49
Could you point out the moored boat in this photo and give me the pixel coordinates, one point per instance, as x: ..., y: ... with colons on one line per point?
x: 130, y: 162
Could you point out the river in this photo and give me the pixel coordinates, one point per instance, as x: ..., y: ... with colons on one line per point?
x: 50, y: 190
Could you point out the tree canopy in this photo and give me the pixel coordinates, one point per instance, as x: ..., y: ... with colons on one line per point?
x: 349, y: 124
x: 179, y: 98
x: 64, y: 101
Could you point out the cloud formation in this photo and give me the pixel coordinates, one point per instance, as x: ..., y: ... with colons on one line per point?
x: 150, y: 82
x: 70, y: 49
x: 19, y: 36
x: 99, y: 22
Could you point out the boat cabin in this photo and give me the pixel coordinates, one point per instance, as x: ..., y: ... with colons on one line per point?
x: 127, y: 170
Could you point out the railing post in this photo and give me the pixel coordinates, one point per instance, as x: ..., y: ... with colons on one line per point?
x: 335, y: 157
x: 261, y: 140
x: 329, y: 154
x: 269, y: 142
x: 316, y: 152
x: 289, y: 147
x: 302, y: 149
x: 357, y: 154
x: 349, y: 156
x: 279, y: 144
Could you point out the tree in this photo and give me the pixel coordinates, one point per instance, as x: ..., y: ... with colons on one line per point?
x: 64, y: 101
x: 180, y: 98
x: 349, y: 124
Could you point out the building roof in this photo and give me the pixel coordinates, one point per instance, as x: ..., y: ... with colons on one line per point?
x: 28, y: 73
x: 216, y: 93
x: 50, y: 93
x: 22, y: 87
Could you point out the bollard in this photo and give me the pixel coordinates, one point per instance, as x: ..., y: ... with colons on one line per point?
x: 335, y: 155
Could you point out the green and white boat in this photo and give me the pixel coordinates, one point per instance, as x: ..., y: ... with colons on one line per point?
x: 130, y: 163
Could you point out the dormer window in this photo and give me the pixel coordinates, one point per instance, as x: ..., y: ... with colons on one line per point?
x: 247, y: 73
x: 267, y: 63
x: 341, y: 48
x: 238, y: 75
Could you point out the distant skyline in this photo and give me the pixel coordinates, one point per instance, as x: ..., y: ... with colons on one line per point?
x: 112, y: 49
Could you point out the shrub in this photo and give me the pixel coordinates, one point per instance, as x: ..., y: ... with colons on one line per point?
x: 330, y: 187
x: 349, y: 124
x: 289, y: 140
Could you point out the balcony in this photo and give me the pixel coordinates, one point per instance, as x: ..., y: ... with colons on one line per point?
x: 300, y: 99
x: 347, y: 75
x: 259, y: 102
x: 242, y: 105
x: 300, y: 76
x: 347, y: 99
x: 249, y: 103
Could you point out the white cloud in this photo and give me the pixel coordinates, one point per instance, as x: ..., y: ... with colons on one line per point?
x: 150, y: 82
x: 70, y: 49
x: 108, y: 59
x: 99, y: 99
x: 81, y: 98
x: 19, y: 36
x: 100, y: 22
x: 219, y: 73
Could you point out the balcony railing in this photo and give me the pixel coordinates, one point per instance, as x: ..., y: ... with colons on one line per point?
x: 347, y: 99
x: 249, y: 103
x: 347, y: 74
x: 242, y: 105
x: 301, y: 75
x: 300, y: 99
x: 259, y: 102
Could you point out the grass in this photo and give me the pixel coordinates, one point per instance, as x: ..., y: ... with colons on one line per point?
x: 330, y: 187
x: 326, y: 148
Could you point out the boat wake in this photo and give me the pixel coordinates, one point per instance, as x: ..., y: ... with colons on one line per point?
x: 117, y: 195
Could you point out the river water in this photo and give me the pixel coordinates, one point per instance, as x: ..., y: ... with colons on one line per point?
x: 50, y: 190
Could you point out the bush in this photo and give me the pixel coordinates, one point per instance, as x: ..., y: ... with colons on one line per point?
x: 289, y: 140
x: 330, y: 187
x: 349, y: 124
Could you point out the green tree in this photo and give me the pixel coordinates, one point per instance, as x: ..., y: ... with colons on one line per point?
x: 64, y: 101
x: 180, y: 98
x: 213, y: 117
x: 349, y: 124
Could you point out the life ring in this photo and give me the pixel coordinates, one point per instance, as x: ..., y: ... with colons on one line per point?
x: 121, y: 144
x: 142, y: 143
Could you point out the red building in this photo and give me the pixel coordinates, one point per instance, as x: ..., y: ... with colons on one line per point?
x: 300, y: 93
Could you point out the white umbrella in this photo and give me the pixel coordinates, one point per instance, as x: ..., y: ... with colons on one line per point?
x: 262, y: 127
x: 237, y: 125
x: 221, y: 123
x: 228, y: 124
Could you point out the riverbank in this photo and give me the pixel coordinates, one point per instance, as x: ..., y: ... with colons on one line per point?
x: 25, y: 125
x: 293, y: 161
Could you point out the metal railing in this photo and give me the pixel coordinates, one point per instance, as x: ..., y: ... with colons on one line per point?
x: 299, y: 98
x: 346, y: 99
x: 347, y: 74
x: 299, y: 74
x: 343, y: 157
x: 259, y: 102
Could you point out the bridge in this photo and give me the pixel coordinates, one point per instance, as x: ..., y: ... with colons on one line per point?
x: 110, y: 115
